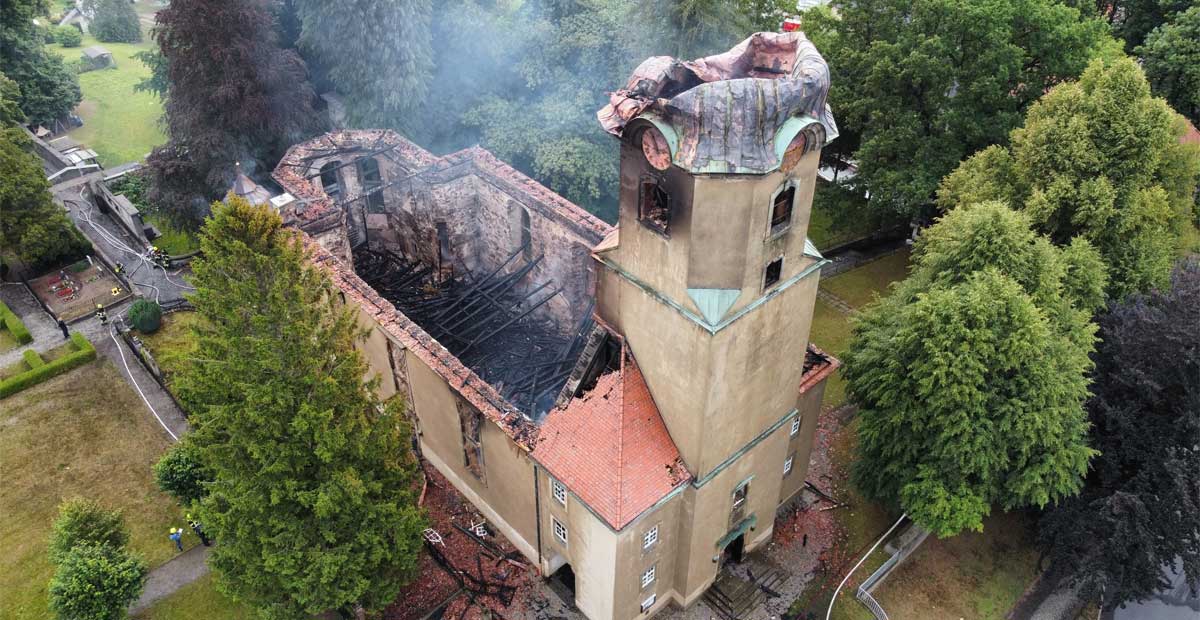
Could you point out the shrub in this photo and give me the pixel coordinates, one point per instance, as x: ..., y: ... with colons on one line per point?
x: 68, y: 36
x: 146, y: 316
x: 32, y: 358
x: 96, y: 582
x: 84, y: 353
x: 84, y: 522
x: 13, y: 324
x: 180, y: 474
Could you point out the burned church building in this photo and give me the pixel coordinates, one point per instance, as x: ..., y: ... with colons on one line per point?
x: 630, y: 404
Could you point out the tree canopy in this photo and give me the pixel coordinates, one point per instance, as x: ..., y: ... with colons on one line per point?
x: 48, y: 90
x: 1097, y: 159
x: 96, y: 582
x: 313, y: 491
x: 1140, y: 508
x: 918, y: 86
x: 113, y: 21
x: 1171, y: 58
x: 384, y: 69
x: 971, y: 376
x: 30, y: 221
x: 233, y: 95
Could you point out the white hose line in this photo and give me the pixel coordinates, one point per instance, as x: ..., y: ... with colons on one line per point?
x: 112, y: 334
x: 833, y: 600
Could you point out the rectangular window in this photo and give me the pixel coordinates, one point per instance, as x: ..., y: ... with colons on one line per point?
x: 560, y: 530
x: 795, y: 426
x: 648, y: 576
x: 471, y: 422
x: 781, y: 209
x: 738, y: 511
x: 649, y: 602
x: 787, y: 464
x: 654, y: 205
x: 558, y: 491
x: 773, y: 272
x: 372, y: 182
x: 650, y: 537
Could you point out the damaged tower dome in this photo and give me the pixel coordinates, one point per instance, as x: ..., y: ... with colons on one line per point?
x: 730, y: 112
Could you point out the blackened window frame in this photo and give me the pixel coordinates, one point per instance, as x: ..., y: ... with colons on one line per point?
x: 371, y: 187
x: 781, y: 223
x: 773, y: 273
x: 653, y: 185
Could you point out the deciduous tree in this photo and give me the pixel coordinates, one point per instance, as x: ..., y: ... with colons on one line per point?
x: 85, y: 522
x: 114, y: 21
x: 918, y: 86
x: 233, y: 95
x: 1171, y: 59
x: 1140, y: 508
x: 1097, y: 159
x: 384, y: 69
x: 313, y: 496
x: 48, y: 89
x: 30, y: 222
x: 971, y: 376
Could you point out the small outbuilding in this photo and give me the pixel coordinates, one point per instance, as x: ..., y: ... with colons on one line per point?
x: 97, y: 57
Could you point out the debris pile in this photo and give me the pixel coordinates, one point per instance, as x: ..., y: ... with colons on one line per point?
x: 461, y: 574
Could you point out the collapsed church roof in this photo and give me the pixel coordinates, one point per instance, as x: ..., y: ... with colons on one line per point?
x: 734, y: 112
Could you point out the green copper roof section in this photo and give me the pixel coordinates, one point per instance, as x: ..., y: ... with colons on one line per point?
x: 714, y: 302
x: 810, y: 249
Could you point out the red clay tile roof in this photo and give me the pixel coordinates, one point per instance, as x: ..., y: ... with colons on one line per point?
x: 611, y: 448
x: 1191, y: 135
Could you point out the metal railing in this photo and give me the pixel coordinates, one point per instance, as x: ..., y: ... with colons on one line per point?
x: 871, y: 604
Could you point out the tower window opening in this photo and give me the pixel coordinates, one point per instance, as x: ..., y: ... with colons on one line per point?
x: 372, y: 182
x: 773, y: 273
x: 781, y: 209
x: 654, y: 206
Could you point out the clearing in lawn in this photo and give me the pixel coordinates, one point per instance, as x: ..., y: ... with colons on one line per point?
x: 82, y: 434
x: 119, y: 123
x: 859, y: 286
x: 971, y: 575
x: 172, y: 342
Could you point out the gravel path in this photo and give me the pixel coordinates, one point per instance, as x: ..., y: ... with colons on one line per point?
x: 166, y: 579
x: 46, y: 334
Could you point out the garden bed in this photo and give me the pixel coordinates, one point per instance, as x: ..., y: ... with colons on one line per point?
x: 36, y: 369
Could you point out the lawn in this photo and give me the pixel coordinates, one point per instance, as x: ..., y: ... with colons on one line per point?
x: 831, y: 332
x: 173, y: 241
x: 198, y: 600
x: 7, y: 341
x: 972, y: 575
x: 121, y: 125
x: 172, y: 343
x: 83, y: 434
x: 859, y: 286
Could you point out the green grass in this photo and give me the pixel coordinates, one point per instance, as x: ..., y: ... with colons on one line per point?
x: 859, y: 286
x: 838, y: 216
x: 81, y: 434
x: 121, y: 125
x: 971, y: 575
x: 172, y: 343
x: 173, y: 240
x: 831, y: 332
x: 13, y: 370
x: 7, y: 341
x: 198, y: 600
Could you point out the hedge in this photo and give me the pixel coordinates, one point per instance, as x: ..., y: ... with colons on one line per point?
x: 33, y: 359
x: 14, y: 325
x: 84, y: 353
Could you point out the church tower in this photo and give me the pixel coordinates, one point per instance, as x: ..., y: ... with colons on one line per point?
x: 712, y: 280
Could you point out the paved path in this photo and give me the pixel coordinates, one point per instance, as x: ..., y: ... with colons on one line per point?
x: 44, y: 330
x: 116, y: 245
x: 166, y: 579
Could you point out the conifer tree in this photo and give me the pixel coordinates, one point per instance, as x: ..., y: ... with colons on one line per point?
x: 971, y: 376
x: 384, y: 68
x: 312, y: 495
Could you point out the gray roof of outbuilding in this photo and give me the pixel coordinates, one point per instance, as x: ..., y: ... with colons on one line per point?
x: 96, y: 51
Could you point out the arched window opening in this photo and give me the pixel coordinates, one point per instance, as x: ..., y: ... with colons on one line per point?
x: 372, y: 182
x: 329, y: 179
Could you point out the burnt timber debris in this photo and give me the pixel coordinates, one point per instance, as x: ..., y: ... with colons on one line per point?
x: 485, y: 320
